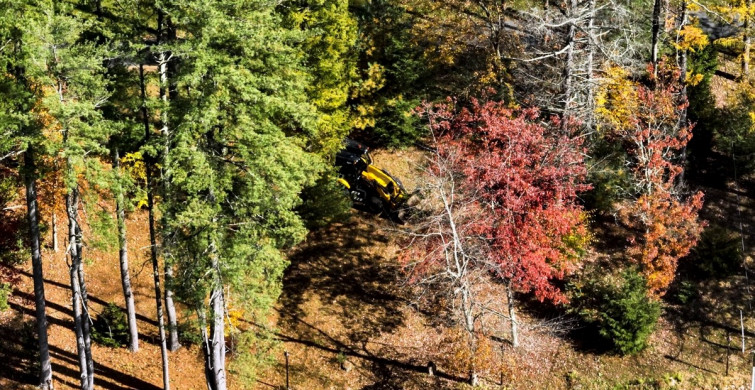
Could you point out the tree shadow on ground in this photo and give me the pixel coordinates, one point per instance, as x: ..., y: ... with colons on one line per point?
x: 350, y: 268
x: 67, y: 314
x: 17, y: 350
x: 19, y: 354
x: 90, y: 297
x: 344, y: 265
x: 715, y: 282
x: 383, y: 370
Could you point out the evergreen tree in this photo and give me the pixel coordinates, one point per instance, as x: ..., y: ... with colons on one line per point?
x: 22, y: 133
x: 72, y: 67
x: 329, y: 47
x: 123, y: 110
x: 240, y: 154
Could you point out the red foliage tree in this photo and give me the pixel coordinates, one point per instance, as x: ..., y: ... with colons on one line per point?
x: 521, y: 179
x: 662, y: 217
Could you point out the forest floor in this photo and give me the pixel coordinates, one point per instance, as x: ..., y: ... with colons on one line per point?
x: 115, y: 368
x: 348, y: 320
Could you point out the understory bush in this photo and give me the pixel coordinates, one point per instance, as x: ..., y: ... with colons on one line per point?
x: 111, y: 327
x: 619, y: 307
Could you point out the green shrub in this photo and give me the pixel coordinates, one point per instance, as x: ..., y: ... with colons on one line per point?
x: 684, y: 291
x: 188, y: 333
x: 111, y: 327
x: 608, y: 175
x: 618, y: 306
x: 627, y: 315
x: 398, y: 126
x: 5, y: 291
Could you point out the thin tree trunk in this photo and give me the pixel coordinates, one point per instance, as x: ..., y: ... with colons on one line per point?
x: 45, y: 374
x: 656, y: 33
x: 128, y: 294
x: 569, y: 67
x: 208, y: 371
x: 590, y: 114
x: 174, y: 343
x: 215, y: 346
x: 512, y: 315
x: 55, y: 231
x: 87, y: 320
x: 54, y: 207
x: 469, y: 324
x: 166, y: 34
x: 156, y: 277
x: 217, y: 335
x: 76, y: 296
x: 153, y: 241
x: 683, y: 93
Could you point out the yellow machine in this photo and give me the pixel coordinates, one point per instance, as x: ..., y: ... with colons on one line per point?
x: 367, y: 184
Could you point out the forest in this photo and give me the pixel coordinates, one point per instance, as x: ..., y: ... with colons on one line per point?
x: 573, y: 208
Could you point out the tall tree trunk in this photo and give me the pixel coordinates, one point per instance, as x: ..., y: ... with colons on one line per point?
x: 590, y: 114
x: 167, y: 33
x: 469, y: 324
x: 170, y: 307
x: 214, y: 346
x: 217, y: 331
x: 55, y: 231
x: 87, y: 320
x: 569, y: 66
x: 217, y: 336
x: 153, y: 241
x: 512, y: 315
x: 32, y: 213
x: 657, y: 23
x: 128, y: 294
x: 683, y: 93
x: 209, y: 375
x: 156, y: 277
x: 72, y: 201
x: 54, y: 207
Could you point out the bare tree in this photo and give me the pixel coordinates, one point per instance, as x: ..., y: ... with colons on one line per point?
x: 444, y: 256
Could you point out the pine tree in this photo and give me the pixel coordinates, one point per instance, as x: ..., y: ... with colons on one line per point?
x: 239, y: 157
x: 72, y: 66
x: 329, y: 47
x: 22, y: 134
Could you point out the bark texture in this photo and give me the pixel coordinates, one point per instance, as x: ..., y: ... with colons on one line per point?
x: 32, y: 213
x: 512, y: 315
x: 77, y: 296
x: 128, y: 294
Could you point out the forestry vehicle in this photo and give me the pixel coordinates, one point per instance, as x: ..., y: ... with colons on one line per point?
x: 367, y: 184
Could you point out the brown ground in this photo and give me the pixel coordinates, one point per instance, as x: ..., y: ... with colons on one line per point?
x: 345, y: 301
x: 345, y: 305
x: 114, y: 368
